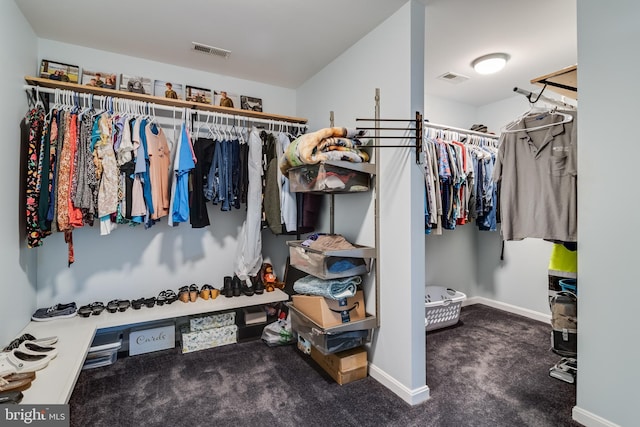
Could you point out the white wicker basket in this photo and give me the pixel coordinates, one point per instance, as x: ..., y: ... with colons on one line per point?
x: 442, y: 307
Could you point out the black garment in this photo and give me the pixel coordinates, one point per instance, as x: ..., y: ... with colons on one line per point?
x: 203, y: 149
x: 235, y: 173
x: 128, y: 170
x: 244, y: 173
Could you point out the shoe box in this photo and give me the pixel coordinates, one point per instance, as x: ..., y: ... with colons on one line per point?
x: 152, y: 336
x: 104, y: 348
x: 345, y: 366
x: 326, y: 312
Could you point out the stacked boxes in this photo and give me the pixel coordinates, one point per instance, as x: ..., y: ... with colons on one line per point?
x: 209, y: 331
x: 345, y: 366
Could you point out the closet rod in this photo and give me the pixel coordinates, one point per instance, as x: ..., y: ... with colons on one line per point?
x: 213, y: 114
x: 529, y: 94
x: 459, y: 130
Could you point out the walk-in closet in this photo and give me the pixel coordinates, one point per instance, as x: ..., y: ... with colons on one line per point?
x: 425, y: 212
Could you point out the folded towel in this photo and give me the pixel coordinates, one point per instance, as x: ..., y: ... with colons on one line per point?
x: 332, y: 288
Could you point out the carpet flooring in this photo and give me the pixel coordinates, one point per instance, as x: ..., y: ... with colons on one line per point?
x: 489, y: 370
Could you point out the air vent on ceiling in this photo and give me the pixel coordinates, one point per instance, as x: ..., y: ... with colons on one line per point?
x: 452, y: 77
x: 210, y: 50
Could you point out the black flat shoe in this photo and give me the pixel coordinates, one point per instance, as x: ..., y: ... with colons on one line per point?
x: 170, y: 296
x: 161, y: 298
x: 150, y: 302
x: 85, y: 311
x: 137, y: 303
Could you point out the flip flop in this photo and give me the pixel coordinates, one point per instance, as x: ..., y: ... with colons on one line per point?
x: 123, y: 304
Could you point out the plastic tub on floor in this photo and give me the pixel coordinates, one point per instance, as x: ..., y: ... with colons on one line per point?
x: 442, y: 307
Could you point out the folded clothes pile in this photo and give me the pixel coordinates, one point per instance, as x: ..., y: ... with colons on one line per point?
x: 345, y: 287
x: 325, y: 144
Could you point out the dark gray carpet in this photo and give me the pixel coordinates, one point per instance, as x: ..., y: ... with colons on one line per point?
x: 489, y: 370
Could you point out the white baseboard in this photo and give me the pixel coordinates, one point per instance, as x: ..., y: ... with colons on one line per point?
x: 590, y: 420
x: 412, y: 397
x: 535, y: 315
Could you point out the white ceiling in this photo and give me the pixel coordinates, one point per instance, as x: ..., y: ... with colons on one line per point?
x: 285, y: 42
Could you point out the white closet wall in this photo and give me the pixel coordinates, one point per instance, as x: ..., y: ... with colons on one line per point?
x: 17, y: 289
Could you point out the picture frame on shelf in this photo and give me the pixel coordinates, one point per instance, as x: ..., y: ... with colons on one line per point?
x: 136, y: 84
x: 99, y: 79
x: 198, y: 94
x: 60, y: 71
x: 222, y: 98
x: 250, y: 103
x: 166, y: 89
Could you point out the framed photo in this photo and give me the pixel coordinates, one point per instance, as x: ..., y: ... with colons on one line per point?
x: 224, y: 99
x: 250, y: 103
x: 198, y: 94
x: 59, y: 71
x: 136, y: 84
x: 99, y: 79
x: 168, y: 89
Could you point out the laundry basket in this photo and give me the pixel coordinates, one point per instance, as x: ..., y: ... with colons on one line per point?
x: 442, y: 307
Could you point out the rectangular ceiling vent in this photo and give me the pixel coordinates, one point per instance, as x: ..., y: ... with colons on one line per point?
x: 210, y: 50
x: 452, y: 77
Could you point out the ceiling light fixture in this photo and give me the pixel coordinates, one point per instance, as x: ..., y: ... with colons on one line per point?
x: 489, y: 64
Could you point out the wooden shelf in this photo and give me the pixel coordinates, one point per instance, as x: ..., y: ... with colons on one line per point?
x: 55, y: 383
x: 564, y: 81
x: 178, y: 103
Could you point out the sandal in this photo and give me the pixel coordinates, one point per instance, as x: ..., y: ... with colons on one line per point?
x: 16, y: 342
x: 137, y: 303
x: 214, y: 293
x: 97, y: 308
x: 161, y: 298
x: 205, y: 291
x: 85, y: 311
x: 193, y: 292
x: 183, y: 294
x: 171, y: 296
x: 150, y: 302
x: 123, y: 304
x: 112, y: 306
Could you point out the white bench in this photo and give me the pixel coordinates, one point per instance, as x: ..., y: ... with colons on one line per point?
x: 54, y: 384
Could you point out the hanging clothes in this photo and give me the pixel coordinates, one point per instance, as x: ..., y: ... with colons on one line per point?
x: 249, y: 251
x: 537, y: 171
x: 35, y: 120
x: 184, y: 162
x: 159, y: 161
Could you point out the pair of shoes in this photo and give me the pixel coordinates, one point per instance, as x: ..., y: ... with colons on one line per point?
x: 94, y: 308
x: 205, y: 291
x: 30, y: 347
x: 19, y: 361
x: 188, y: 293
x: 58, y: 311
x: 16, y: 342
x: 11, y: 397
x: 167, y: 297
x: 150, y: 302
x: 137, y: 303
x: 16, y: 382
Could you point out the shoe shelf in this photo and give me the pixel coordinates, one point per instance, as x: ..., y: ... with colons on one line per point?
x: 55, y: 383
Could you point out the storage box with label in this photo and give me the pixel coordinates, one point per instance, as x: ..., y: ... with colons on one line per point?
x: 331, y: 264
x: 345, y: 366
x: 210, y: 321
x: 152, y: 339
x: 208, y: 338
x: 329, y: 312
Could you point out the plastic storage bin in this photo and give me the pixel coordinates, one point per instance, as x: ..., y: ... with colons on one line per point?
x: 104, y: 349
x: 328, y: 177
x: 330, y: 264
x: 329, y: 340
x: 442, y: 307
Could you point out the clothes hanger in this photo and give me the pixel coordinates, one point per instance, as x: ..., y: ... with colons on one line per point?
x: 566, y: 118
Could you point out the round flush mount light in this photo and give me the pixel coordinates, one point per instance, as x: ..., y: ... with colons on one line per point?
x: 489, y: 64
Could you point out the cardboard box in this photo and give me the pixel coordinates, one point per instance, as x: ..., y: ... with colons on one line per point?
x: 345, y: 366
x: 254, y: 315
x: 153, y: 339
x: 329, y: 312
